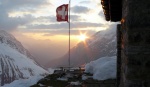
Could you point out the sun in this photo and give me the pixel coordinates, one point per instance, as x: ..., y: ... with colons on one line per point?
x: 82, y: 37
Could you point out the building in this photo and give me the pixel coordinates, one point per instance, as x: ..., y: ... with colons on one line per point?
x: 133, y: 44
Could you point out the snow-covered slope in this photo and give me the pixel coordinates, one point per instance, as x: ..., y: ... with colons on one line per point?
x: 101, y: 44
x: 24, y: 82
x: 11, y: 41
x: 15, y: 61
x: 102, y: 68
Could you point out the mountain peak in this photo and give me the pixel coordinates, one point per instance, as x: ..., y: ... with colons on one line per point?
x: 11, y: 41
x: 4, y: 34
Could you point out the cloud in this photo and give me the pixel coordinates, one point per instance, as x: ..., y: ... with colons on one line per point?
x: 65, y: 32
x: 80, y: 9
x: 7, y: 6
x: 85, y: 24
x: 46, y: 19
x: 58, y: 26
x: 101, y: 13
x: 52, y: 19
x: 85, y: 2
x: 40, y: 22
x: 14, y: 4
x: 11, y: 23
x: 50, y: 26
x: 75, y: 18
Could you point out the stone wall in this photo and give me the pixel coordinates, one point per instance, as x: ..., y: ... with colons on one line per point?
x: 135, y: 49
x: 118, y: 32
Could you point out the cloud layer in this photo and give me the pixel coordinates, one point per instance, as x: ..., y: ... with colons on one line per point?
x: 31, y: 14
x: 80, y: 9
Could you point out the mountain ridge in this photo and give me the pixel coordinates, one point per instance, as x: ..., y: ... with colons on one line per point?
x: 16, y: 61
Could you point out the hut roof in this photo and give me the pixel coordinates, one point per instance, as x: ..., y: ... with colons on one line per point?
x: 112, y: 9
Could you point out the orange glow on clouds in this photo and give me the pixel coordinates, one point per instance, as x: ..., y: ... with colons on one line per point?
x: 56, y: 38
x: 37, y: 36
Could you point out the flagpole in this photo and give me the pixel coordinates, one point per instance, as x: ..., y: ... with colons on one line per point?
x: 69, y: 34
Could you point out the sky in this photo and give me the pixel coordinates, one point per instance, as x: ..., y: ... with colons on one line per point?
x: 33, y: 23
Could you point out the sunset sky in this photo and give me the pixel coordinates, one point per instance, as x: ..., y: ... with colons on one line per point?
x: 33, y: 22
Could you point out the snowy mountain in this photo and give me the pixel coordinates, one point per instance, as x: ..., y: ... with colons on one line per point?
x: 16, y: 62
x: 101, y: 44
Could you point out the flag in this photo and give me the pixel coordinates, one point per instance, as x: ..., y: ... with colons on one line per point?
x: 62, y: 13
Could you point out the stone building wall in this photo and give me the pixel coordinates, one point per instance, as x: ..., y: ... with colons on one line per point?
x: 118, y: 32
x: 135, y: 49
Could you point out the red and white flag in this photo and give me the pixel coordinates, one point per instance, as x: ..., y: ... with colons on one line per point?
x: 62, y: 13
